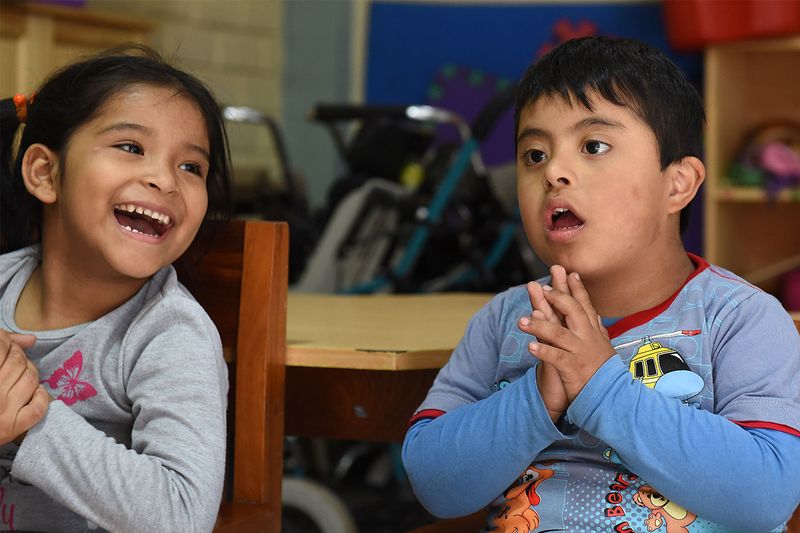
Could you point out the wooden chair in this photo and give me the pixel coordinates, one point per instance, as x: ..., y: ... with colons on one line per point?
x: 242, y: 283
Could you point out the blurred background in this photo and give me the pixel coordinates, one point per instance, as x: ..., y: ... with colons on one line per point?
x: 382, y: 131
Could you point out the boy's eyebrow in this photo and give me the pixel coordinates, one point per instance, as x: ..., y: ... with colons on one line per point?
x: 122, y: 126
x: 531, y: 132
x: 596, y: 121
x: 580, y: 125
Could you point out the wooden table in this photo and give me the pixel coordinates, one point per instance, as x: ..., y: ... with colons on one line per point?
x: 358, y: 366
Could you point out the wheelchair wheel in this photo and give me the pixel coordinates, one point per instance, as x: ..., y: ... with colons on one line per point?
x: 311, y: 507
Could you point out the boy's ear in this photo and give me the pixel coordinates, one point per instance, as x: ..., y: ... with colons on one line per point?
x: 686, y: 175
x: 40, y: 171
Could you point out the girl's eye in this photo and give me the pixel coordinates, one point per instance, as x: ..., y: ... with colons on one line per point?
x: 534, y: 157
x: 596, y: 147
x: 193, y: 168
x: 130, y: 147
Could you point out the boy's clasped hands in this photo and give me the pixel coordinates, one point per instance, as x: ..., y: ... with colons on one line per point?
x: 23, y: 401
x: 571, y: 341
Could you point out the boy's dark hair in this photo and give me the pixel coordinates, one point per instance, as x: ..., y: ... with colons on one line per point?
x: 627, y: 73
x: 73, y: 96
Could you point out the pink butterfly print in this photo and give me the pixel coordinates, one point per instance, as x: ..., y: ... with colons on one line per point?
x: 67, y: 379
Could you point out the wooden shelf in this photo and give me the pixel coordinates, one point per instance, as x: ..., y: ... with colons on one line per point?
x: 35, y: 39
x: 749, y: 84
x: 729, y: 193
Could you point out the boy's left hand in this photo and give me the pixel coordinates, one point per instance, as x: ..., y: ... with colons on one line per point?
x: 578, y: 348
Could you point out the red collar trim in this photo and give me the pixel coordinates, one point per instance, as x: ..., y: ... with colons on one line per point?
x: 637, y: 319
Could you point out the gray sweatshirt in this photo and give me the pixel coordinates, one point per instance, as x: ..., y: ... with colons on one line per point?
x: 136, y: 440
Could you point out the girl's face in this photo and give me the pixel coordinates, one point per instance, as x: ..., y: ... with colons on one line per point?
x: 131, y: 187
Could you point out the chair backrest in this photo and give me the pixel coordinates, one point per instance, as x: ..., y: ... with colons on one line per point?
x: 242, y: 284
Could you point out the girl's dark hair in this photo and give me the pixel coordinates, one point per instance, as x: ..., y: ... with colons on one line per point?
x: 627, y: 73
x: 73, y: 96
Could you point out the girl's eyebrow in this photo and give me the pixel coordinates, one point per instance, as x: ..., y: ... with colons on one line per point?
x: 122, y: 126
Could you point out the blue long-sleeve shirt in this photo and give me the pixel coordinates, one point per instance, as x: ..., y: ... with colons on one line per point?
x: 693, y: 424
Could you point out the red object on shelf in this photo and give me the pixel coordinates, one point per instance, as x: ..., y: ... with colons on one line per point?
x: 791, y: 290
x: 694, y: 24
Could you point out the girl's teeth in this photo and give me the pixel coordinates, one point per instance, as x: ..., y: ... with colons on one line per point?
x: 130, y: 208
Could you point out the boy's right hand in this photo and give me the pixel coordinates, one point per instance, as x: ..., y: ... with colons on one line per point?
x: 23, y: 401
x: 551, y: 388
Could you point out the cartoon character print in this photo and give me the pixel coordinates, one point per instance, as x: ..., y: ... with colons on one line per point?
x: 663, y: 512
x: 662, y: 369
x: 517, y: 515
x: 66, y: 381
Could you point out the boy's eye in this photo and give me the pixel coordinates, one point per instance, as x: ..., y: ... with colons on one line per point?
x: 596, y: 147
x: 193, y: 168
x: 130, y: 147
x: 533, y: 157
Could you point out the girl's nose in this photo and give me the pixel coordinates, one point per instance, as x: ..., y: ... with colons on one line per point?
x: 164, y: 181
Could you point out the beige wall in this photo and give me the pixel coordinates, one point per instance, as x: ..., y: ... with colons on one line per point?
x: 236, y: 46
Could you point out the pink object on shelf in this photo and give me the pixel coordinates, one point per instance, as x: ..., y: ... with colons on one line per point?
x: 779, y: 159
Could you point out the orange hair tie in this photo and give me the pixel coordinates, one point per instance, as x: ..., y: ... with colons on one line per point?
x: 21, y: 104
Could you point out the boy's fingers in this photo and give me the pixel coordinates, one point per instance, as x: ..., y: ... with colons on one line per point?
x: 548, y: 354
x: 578, y: 291
x: 558, y: 279
x: 575, y: 316
x: 602, y: 328
x: 538, y: 301
x: 551, y: 333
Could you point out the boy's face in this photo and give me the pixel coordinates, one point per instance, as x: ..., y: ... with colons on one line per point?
x: 591, y: 191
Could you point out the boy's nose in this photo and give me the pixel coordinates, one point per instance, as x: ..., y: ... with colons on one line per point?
x: 556, y: 181
x: 557, y: 173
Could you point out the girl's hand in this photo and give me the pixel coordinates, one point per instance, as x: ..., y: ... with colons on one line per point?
x: 23, y: 401
x: 579, y: 346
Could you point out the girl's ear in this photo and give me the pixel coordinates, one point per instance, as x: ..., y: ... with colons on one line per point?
x: 686, y: 175
x: 39, y: 172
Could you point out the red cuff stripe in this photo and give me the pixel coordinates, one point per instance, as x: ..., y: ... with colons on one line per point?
x: 757, y: 424
x: 424, y: 415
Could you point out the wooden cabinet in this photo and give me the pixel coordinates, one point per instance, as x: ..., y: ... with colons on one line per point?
x: 35, y: 39
x: 749, y: 84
